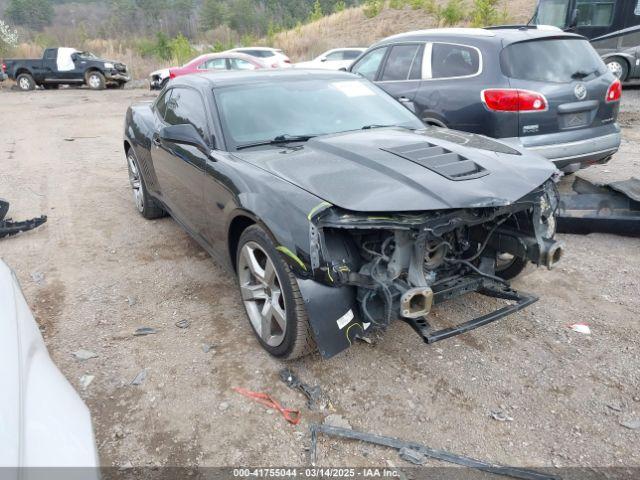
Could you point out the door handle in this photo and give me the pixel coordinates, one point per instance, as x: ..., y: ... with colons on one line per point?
x: 403, y: 99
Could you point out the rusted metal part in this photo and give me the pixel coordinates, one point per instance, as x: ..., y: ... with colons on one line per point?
x: 8, y: 227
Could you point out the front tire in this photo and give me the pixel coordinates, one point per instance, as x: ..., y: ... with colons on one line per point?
x: 25, y: 82
x: 146, y: 205
x: 618, y: 67
x: 95, y: 80
x: 271, y: 297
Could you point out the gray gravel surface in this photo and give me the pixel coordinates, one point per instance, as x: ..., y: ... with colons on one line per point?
x: 103, y: 272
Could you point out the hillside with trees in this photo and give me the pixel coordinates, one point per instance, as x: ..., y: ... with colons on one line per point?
x: 148, y: 34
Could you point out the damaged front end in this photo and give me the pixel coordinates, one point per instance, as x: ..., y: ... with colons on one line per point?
x: 400, y: 265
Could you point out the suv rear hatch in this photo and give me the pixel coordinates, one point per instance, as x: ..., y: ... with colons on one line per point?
x: 571, y: 77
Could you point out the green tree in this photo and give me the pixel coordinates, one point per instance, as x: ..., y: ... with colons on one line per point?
x: 212, y: 14
x: 316, y: 12
x: 484, y: 13
x: 453, y: 13
x: 339, y: 6
x: 34, y: 14
x: 181, y: 49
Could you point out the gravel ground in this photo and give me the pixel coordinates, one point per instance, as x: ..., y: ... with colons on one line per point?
x: 107, y: 271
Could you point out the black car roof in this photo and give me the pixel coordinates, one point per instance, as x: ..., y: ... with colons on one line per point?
x: 237, y: 78
x: 503, y: 35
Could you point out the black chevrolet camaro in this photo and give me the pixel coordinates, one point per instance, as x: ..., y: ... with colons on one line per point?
x: 337, y: 210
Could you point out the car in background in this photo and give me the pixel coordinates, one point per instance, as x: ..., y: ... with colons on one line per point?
x: 335, y: 59
x: 43, y: 421
x: 210, y: 62
x: 273, y: 57
x: 612, y: 26
x: 540, y: 88
x: 66, y: 66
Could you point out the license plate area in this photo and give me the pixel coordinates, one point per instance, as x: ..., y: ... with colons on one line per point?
x: 572, y: 120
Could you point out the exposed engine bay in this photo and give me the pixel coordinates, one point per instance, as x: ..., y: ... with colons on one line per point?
x: 403, y: 264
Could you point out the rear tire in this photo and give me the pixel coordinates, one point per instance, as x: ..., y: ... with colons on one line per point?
x: 95, y: 80
x: 271, y: 297
x: 618, y: 67
x: 25, y: 82
x: 512, y: 268
x: 146, y: 205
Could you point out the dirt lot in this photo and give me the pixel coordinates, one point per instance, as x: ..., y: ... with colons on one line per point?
x: 107, y: 271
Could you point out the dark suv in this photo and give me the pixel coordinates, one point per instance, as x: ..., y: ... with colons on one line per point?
x: 540, y: 88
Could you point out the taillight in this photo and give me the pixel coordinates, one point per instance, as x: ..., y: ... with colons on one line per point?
x: 514, y: 100
x: 3, y: 67
x: 172, y: 74
x: 286, y: 60
x: 614, y: 92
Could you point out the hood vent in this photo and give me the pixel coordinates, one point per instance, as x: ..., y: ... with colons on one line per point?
x: 440, y: 160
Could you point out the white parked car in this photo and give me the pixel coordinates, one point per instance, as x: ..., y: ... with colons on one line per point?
x: 336, y: 59
x: 158, y: 79
x: 273, y: 57
x: 43, y: 421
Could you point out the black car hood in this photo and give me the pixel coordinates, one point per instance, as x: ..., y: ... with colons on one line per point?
x: 393, y: 169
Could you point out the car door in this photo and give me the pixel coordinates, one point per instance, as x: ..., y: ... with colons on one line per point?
x: 180, y: 168
x: 48, y: 68
x: 449, y: 94
x: 401, y: 73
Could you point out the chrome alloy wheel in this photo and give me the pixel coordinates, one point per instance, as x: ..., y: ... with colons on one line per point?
x: 262, y: 294
x: 615, y: 68
x: 25, y: 84
x: 94, y: 81
x: 136, y: 182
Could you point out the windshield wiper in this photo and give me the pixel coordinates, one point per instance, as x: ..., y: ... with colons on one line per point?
x: 580, y: 74
x: 376, y: 125
x: 279, y: 140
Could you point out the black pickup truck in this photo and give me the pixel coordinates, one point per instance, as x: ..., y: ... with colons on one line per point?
x: 65, y: 66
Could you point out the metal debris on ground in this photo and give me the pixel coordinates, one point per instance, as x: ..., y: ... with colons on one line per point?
x: 132, y: 301
x: 37, y: 277
x: 208, y: 347
x: 314, y: 394
x: 139, y: 378
x: 144, y: 331
x: 428, y: 452
x: 84, y: 354
x: 183, y: 324
x: 631, y: 424
x: 500, y: 416
x: 9, y: 227
x: 412, y: 456
x: 290, y: 415
x: 581, y: 328
x: 85, y: 381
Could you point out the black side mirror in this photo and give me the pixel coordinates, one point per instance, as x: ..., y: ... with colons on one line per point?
x: 185, y: 134
x: 74, y: 57
x: 573, y: 21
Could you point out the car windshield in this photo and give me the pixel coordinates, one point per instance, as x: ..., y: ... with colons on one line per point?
x: 310, y: 107
x: 552, y: 12
x: 557, y: 60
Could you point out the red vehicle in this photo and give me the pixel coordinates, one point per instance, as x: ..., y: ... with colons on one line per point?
x: 210, y: 62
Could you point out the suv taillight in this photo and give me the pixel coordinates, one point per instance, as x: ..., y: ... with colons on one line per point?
x: 514, y: 100
x: 614, y: 92
x: 172, y: 74
x: 3, y: 67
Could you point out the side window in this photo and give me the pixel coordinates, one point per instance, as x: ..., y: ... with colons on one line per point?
x: 353, y: 54
x: 400, y: 62
x: 214, y: 64
x: 449, y: 61
x: 187, y: 106
x: 50, y: 54
x: 595, y: 13
x: 161, y: 103
x: 368, y: 65
x: 239, y: 64
x: 332, y: 57
x: 636, y: 11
